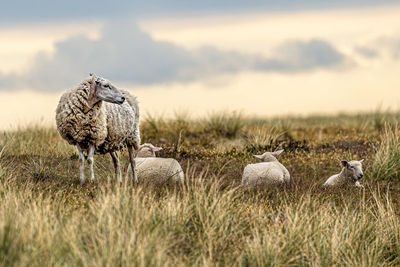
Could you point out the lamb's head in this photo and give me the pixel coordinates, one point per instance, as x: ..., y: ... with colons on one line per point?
x: 269, y: 156
x: 353, y: 169
x: 147, y: 150
x: 102, y: 89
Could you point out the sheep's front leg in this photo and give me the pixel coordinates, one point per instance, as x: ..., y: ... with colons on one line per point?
x: 117, y: 166
x: 82, y: 164
x: 90, y: 160
x: 133, y: 163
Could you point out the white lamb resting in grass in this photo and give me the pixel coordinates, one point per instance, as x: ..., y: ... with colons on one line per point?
x: 151, y: 169
x: 351, y: 174
x: 268, y: 172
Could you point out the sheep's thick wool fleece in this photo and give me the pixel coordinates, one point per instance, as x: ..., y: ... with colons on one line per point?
x: 265, y: 173
x: 109, y: 127
x: 159, y: 170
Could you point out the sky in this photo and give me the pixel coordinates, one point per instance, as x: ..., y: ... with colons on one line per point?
x: 263, y: 58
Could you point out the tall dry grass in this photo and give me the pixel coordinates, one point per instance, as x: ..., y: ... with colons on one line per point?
x: 48, y: 218
x: 386, y: 161
x: 194, y: 225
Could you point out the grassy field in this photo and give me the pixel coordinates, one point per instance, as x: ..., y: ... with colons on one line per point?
x: 48, y: 218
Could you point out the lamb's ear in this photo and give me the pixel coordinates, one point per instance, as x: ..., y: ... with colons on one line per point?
x: 157, y: 148
x: 277, y: 153
x: 260, y: 157
x: 344, y: 163
x: 361, y: 160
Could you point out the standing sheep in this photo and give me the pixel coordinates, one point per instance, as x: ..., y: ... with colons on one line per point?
x: 157, y: 170
x: 268, y: 172
x: 351, y: 174
x: 95, y: 117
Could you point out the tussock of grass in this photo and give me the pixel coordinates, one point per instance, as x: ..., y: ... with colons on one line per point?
x: 227, y: 124
x: 386, y: 164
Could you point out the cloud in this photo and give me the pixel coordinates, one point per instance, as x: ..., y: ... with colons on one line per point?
x: 302, y: 56
x: 391, y: 45
x: 366, y: 52
x: 384, y: 46
x: 125, y: 53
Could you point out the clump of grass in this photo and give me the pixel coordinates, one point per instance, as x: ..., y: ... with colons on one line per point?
x: 152, y: 125
x: 387, y: 157
x: 264, y: 138
x: 33, y: 139
x: 225, y: 124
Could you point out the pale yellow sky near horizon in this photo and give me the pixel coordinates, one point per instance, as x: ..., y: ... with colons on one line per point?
x: 363, y: 85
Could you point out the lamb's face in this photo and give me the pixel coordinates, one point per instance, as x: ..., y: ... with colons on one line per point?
x: 148, y: 150
x: 107, y: 92
x: 269, y: 156
x: 354, y: 168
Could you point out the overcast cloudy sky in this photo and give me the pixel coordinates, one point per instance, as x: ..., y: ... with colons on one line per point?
x: 204, y: 55
x: 49, y: 10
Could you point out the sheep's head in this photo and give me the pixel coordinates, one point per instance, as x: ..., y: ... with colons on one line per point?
x: 353, y: 169
x: 269, y: 156
x: 148, y: 150
x: 102, y: 89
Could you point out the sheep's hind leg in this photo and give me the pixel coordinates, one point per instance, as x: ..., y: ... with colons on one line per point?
x: 133, y: 163
x: 90, y: 160
x: 82, y: 164
x: 117, y: 166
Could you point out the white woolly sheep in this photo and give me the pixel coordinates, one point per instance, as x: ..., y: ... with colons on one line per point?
x: 157, y: 170
x: 95, y: 117
x: 268, y: 172
x: 351, y: 174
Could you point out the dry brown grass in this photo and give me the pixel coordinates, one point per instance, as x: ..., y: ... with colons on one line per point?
x: 48, y: 218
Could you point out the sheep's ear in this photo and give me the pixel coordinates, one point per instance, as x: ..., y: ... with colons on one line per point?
x: 260, y: 157
x: 157, y: 148
x: 361, y: 160
x: 344, y: 163
x: 92, y: 93
x: 93, y: 77
x: 277, y: 153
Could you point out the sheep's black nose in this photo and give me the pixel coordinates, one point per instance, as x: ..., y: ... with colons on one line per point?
x: 123, y: 98
x: 361, y: 175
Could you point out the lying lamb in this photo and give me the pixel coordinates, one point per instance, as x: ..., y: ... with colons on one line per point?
x: 351, y: 174
x: 157, y: 170
x: 96, y: 118
x: 268, y: 172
